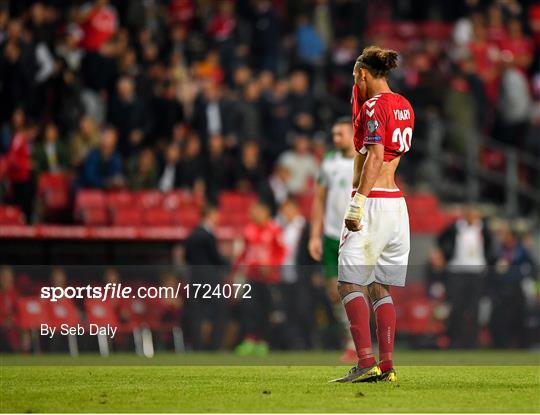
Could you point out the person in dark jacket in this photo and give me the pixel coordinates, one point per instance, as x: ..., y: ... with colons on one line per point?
x: 466, y: 246
x: 514, y: 264
x: 129, y: 115
x: 206, y: 266
x: 102, y: 168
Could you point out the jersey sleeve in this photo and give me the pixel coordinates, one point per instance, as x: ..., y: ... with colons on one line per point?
x: 372, y: 124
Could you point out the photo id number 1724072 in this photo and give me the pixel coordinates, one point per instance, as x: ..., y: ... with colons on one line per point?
x: 236, y: 291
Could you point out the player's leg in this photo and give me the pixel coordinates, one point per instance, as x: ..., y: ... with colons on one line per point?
x: 355, y: 299
x: 385, y: 318
x: 330, y: 268
x: 391, y: 270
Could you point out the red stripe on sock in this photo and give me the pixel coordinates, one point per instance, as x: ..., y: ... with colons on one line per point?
x: 358, y: 315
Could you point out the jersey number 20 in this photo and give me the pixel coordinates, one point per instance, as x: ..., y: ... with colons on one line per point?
x: 404, y: 138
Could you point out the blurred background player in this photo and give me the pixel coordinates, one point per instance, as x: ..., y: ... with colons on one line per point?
x: 374, y: 246
x: 260, y: 261
x: 329, y: 205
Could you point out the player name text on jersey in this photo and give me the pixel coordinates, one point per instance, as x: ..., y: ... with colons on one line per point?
x: 402, y: 115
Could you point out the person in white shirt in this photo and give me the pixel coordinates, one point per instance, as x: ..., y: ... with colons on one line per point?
x: 332, y: 195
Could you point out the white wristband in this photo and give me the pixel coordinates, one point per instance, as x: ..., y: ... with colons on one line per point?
x: 356, y: 207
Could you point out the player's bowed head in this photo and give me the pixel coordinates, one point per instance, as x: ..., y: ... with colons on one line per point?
x: 371, y: 69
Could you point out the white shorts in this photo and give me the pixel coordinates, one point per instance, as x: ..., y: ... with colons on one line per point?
x: 379, y: 252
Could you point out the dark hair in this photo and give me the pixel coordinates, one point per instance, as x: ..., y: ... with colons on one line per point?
x: 207, y: 209
x: 379, y: 62
x: 345, y: 119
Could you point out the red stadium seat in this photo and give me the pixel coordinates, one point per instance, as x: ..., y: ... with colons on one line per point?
x: 126, y: 217
x: 119, y: 199
x: 187, y: 216
x: 147, y: 199
x: 236, y: 220
x: 54, y: 194
x: 419, y: 317
x: 158, y: 217
x: 141, y: 313
x: 422, y: 203
x: 181, y: 198
x: 236, y: 201
x: 100, y: 312
x: 63, y: 311
x: 94, y: 216
x: 88, y: 199
x: 11, y: 215
x: 31, y: 312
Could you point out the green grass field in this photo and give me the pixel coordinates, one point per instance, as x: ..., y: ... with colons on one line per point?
x: 282, y: 382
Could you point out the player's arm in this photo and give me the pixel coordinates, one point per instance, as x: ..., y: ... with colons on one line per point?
x: 359, y: 160
x: 317, y: 215
x: 368, y: 175
x: 372, y: 168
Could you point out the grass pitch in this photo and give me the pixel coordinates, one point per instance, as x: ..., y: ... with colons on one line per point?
x: 439, y: 382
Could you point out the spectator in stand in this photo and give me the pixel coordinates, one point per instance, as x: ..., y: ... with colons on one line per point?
x: 211, y: 114
x: 467, y: 248
x: 309, y: 45
x: 460, y: 114
x: 9, y: 334
x: 166, y: 109
x: 518, y: 44
x: 265, y: 39
x: 18, y: 120
x: 485, y: 55
x: 142, y: 173
x: 301, y: 103
x: 301, y: 163
x: 514, y: 103
x: 50, y: 155
x: 83, y: 141
x: 496, y: 30
x: 206, y: 265
x: 292, y: 223
x: 99, y: 22
x: 171, y: 309
x: 102, y: 168
x: 278, y: 183
x: 217, y: 168
x: 19, y: 168
x: 171, y: 172
x: 276, y: 119
x: 248, y: 114
x: 514, y: 264
x: 129, y: 115
x: 192, y: 165
x: 260, y: 262
x: 222, y: 30
x: 249, y: 173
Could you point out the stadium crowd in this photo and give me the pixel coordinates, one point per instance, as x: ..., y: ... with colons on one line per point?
x: 220, y: 95
x: 209, y: 96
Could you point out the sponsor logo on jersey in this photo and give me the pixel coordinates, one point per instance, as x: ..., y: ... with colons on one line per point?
x: 373, y: 139
x: 372, y: 125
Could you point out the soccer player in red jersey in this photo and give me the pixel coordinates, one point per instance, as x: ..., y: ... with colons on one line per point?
x: 374, y: 246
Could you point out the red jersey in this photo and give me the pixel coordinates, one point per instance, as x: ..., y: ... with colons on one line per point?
x: 386, y: 119
x: 18, y: 159
x: 263, y: 253
x: 99, y: 27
